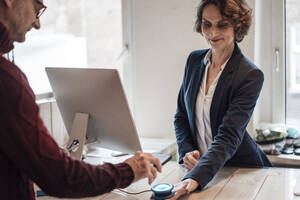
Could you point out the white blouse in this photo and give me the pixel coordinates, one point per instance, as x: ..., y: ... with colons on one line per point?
x: 202, y: 109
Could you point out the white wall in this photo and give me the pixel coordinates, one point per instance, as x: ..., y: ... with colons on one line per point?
x: 162, y: 38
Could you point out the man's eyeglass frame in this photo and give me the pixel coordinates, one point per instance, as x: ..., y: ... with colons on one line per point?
x: 41, y: 11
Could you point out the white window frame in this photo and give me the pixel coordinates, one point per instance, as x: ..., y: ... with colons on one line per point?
x: 295, y: 49
x: 129, y: 69
x: 278, y: 62
x: 128, y: 72
x: 270, y: 57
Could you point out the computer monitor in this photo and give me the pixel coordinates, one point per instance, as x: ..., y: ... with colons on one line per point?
x: 97, y: 98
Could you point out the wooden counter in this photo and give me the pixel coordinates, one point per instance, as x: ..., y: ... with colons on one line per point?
x: 229, y: 184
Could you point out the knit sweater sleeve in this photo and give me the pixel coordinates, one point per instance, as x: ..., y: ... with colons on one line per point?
x: 27, y: 143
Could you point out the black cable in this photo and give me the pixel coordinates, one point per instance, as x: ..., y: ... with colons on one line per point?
x: 134, y: 193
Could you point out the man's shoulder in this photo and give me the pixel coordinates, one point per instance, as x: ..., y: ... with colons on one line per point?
x: 12, y: 80
x: 9, y: 70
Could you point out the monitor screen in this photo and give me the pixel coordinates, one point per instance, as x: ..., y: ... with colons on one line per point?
x: 100, y: 94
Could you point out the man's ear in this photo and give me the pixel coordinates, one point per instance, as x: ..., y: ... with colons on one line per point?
x: 8, y: 3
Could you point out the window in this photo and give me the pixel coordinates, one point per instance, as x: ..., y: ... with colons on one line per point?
x: 292, y: 21
x: 77, y: 33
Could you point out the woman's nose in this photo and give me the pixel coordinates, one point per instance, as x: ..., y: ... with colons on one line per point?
x: 213, y: 31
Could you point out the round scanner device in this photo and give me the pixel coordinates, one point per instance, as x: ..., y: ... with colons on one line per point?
x: 162, y: 191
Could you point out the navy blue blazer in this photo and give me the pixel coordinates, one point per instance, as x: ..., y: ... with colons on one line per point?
x: 232, y: 105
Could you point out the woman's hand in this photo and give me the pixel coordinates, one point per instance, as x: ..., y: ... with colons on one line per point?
x: 184, y: 187
x: 190, y: 159
x: 180, y: 190
x: 191, y: 185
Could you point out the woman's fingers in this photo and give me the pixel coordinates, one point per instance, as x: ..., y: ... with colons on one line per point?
x: 187, y: 164
x: 190, y: 159
x: 196, y: 154
x: 179, y: 193
x: 191, y: 185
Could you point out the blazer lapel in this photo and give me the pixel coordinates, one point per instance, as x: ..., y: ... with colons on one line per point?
x: 197, y: 79
x: 221, y: 86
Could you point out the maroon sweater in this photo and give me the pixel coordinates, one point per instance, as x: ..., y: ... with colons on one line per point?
x: 29, y: 154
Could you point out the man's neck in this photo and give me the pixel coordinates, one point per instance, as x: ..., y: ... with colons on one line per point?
x: 6, y: 44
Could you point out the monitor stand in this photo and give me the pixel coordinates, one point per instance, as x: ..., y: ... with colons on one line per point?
x: 78, y: 135
x: 76, y: 145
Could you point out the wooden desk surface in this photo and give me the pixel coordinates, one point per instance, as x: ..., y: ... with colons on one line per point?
x: 285, y: 160
x: 229, y: 184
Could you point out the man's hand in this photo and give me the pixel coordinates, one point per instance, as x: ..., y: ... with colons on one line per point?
x: 144, y: 165
x: 190, y: 159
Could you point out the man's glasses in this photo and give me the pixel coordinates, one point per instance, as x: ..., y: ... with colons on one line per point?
x: 41, y: 10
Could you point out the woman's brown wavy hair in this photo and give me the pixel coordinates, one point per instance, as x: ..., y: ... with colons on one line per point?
x: 237, y: 12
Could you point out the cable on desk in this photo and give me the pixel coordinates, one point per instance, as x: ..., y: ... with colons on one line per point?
x: 133, y: 193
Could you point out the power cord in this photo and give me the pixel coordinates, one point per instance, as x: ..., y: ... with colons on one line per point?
x: 134, y: 193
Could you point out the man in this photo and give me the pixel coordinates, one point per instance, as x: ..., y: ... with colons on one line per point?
x: 27, y: 152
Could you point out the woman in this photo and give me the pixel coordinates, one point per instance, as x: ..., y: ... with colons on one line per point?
x: 217, y: 97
